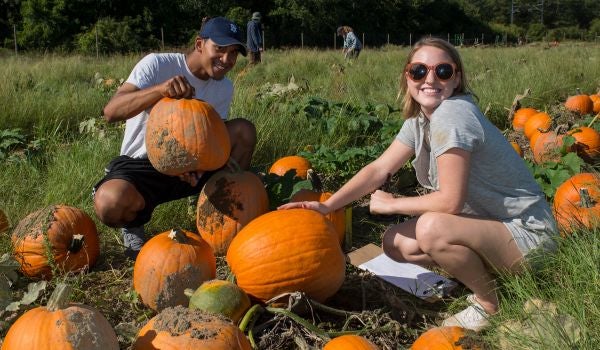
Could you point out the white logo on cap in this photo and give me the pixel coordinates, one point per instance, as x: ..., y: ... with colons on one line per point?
x: 232, y: 27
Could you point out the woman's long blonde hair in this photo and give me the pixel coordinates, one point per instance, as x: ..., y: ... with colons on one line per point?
x: 412, y: 108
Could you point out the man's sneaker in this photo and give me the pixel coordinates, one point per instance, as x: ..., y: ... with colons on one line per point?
x: 133, y: 240
x: 473, y: 317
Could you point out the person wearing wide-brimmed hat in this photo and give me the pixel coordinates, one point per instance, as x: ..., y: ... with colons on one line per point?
x: 131, y: 188
x: 254, y: 38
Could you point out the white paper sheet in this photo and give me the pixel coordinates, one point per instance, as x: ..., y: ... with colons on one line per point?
x: 412, y: 278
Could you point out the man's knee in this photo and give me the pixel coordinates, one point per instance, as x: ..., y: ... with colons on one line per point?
x: 116, y: 203
x: 242, y: 131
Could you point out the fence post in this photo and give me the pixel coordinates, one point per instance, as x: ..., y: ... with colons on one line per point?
x: 302, y: 40
x: 15, y: 36
x: 388, y: 38
x: 410, y: 39
x: 97, y: 53
x: 448, y: 37
x: 162, y: 39
x: 481, y: 38
x: 263, y: 40
x: 363, y: 42
x: 334, y: 41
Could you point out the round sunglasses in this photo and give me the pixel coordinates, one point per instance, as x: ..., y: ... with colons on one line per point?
x: 417, y: 71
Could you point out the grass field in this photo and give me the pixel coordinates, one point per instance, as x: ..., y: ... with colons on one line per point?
x: 54, y: 145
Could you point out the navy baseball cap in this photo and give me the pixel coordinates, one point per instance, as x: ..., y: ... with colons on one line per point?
x: 223, y: 32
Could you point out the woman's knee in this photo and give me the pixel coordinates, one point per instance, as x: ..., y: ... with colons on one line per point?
x: 429, y: 231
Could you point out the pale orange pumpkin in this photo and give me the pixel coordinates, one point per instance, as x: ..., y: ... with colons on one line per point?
x: 61, y: 325
x: 190, y: 329
x: 169, y: 263
x: 581, y: 104
x: 58, y: 236
x: 286, y: 251
x: 546, y: 146
x: 227, y: 202
x: 350, y: 342
x: 596, y: 101
x: 337, y: 218
x: 587, y: 143
x: 283, y: 165
x: 445, y: 338
x: 577, y: 202
x: 185, y: 135
x: 521, y: 116
x: 540, y: 121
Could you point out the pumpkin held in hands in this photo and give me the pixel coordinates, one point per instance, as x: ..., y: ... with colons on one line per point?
x: 185, y: 135
x: 287, y: 251
x: 57, y: 236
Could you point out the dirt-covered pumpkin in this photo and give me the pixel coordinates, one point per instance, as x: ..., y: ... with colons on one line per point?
x: 545, y: 146
x: 283, y: 165
x: 4, y: 223
x: 577, y: 202
x: 57, y: 236
x: 337, y: 217
x: 169, y: 263
x: 227, y: 202
x: 537, y: 122
x: 350, y: 342
x: 581, y: 104
x: 61, y: 325
x: 187, y: 329
x: 184, y: 135
x: 521, y: 116
x: 221, y: 297
x: 445, y: 338
x: 286, y: 251
x: 587, y: 143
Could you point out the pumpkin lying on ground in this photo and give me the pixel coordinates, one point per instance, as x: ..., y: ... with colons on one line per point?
x: 581, y: 104
x: 287, y: 251
x: 587, y: 143
x: 61, y: 325
x: 55, y: 236
x: 186, y: 329
x: 169, y: 263
x: 350, y: 342
x: 537, y: 122
x: 228, y: 201
x: 450, y: 338
x: 546, y: 146
x: 185, y: 135
x: 577, y: 202
x: 221, y: 297
x: 521, y: 116
x: 283, y: 165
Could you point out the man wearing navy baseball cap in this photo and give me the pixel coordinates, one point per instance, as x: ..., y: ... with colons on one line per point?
x: 131, y: 188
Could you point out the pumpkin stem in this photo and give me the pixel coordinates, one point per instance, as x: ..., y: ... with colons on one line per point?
x: 178, y: 236
x: 311, y: 327
x: 76, y: 243
x: 249, y: 316
x: 188, y: 292
x: 586, y: 200
x: 60, y: 298
x: 315, y: 180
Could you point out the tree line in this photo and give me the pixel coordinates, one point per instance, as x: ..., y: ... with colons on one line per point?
x: 112, y: 26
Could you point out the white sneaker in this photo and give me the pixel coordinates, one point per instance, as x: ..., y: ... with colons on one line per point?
x: 473, y: 317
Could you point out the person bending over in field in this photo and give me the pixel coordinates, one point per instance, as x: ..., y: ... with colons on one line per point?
x: 352, y: 44
x: 131, y: 188
x: 485, y: 212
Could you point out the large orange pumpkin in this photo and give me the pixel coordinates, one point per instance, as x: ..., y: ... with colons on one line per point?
x: 546, y: 146
x: 581, y: 104
x: 350, y: 342
x: 227, y: 202
x: 446, y: 338
x: 540, y: 121
x: 521, y: 116
x: 169, y: 263
x: 587, y: 142
x: 221, y: 297
x: 61, y: 325
x: 286, y: 251
x: 283, y: 165
x: 186, y: 329
x: 337, y: 218
x: 184, y: 135
x: 57, y: 236
x: 577, y: 202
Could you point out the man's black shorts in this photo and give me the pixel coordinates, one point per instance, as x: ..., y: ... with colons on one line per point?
x: 155, y: 187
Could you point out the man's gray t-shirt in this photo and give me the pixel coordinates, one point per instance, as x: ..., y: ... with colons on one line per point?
x: 157, y: 68
x: 500, y: 186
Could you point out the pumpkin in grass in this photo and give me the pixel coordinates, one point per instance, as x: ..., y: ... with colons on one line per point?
x: 228, y: 201
x: 4, y: 223
x: 287, y: 251
x: 61, y: 325
x: 187, y: 329
x: 337, y: 218
x: 57, y: 236
x: 350, y: 342
x: 521, y: 116
x: 221, y: 297
x: 537, y: 122
x: 587, y: 142
x: 185, y: 135
x: 596, y: 101
x: 169, y: 263
x: 283, y: 165
x: 546, y: 146
x: 446, y: 338
x: 581, y: 104
x: 577, y: 202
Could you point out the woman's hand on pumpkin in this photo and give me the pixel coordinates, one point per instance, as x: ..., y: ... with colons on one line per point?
x: 314, y: 205
x: 192, y: 177
x: 381, y: 203
x: 177, y: 87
